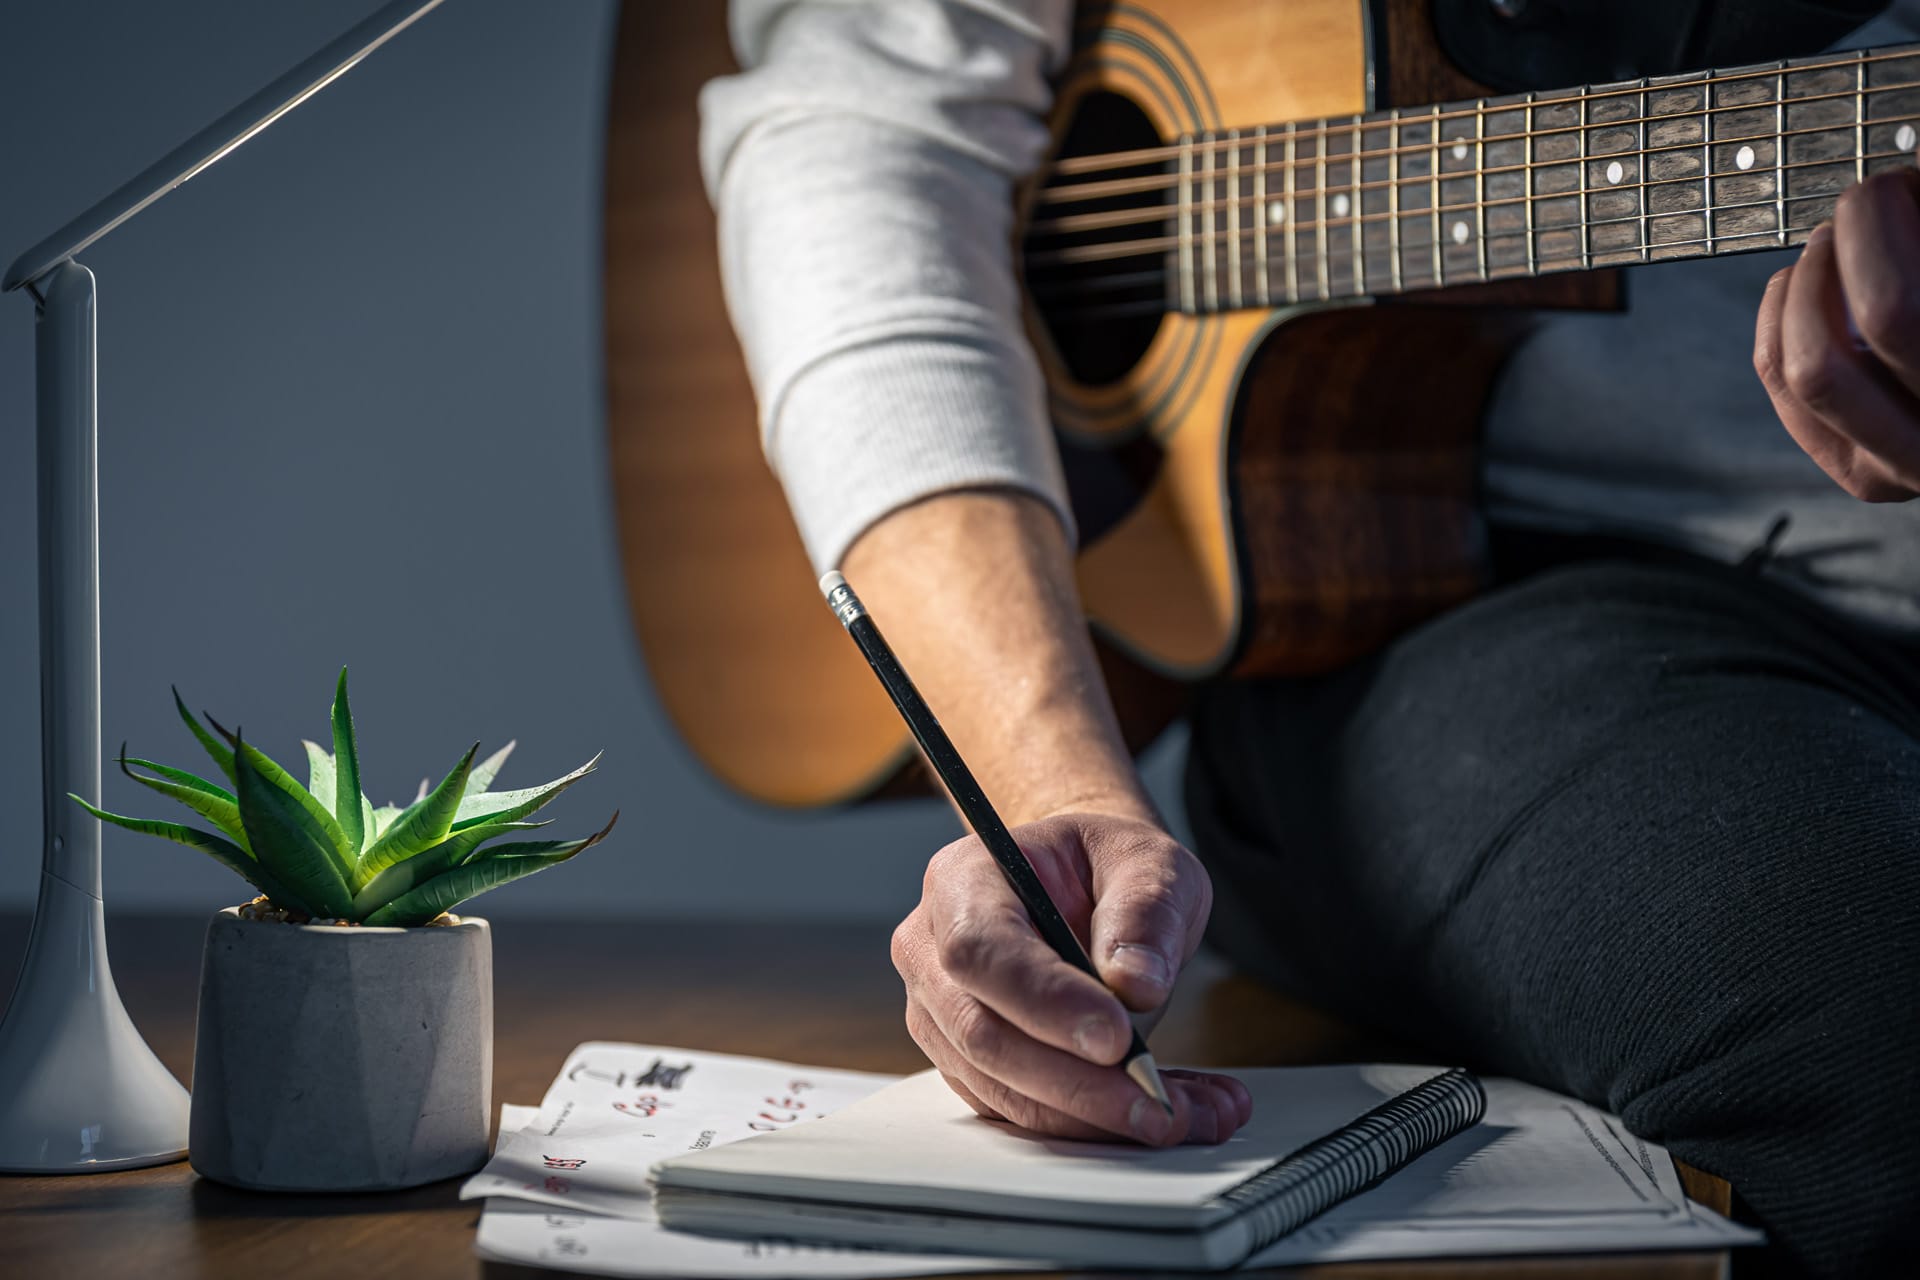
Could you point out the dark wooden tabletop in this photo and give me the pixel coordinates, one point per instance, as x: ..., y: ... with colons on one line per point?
x: 808, y: 993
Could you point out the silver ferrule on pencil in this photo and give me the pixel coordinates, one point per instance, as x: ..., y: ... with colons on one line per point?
x: 846, y: 606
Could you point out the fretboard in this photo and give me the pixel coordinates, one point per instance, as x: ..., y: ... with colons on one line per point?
x: 1420, y: 198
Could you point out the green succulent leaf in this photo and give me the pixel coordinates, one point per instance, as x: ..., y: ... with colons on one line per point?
x: 297, y: 840
x: 489, y: 870
x: 383, y: 817
x: 367, y: 826
x: 346, y: 759
x: 221, y: 754
x: 231, y: 856
x: 319, y: 773
x: 505, y: 806
x: 421, y: 826
x: 487, y: 770
x: 421, y: 867
x: 215, y: 804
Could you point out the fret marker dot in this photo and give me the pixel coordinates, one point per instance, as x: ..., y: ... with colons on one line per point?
x: 1615, y: 172
x: 1744, y: 157
x: 1905, y: 138
x: 1459, y: 149
x: 1277, y: 212
x: 1342, y: 206
x: 1459, y: 233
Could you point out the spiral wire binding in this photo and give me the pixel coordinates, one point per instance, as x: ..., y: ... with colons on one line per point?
x: 1283, y: 1196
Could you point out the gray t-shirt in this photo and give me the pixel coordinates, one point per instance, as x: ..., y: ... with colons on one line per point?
x: 863, y: 168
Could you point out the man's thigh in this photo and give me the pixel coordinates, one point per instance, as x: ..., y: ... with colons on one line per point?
x: 1649, y: 835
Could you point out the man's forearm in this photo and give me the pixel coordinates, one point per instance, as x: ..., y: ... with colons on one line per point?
x: 975, y: 591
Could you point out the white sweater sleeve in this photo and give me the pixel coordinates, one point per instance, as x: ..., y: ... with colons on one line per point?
x: 863, y: 168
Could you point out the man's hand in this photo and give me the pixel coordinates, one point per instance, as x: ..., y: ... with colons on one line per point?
x: 1837, y: 344
x: 1024, y: 1036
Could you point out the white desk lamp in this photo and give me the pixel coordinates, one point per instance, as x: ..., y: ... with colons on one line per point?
x: 80, y: 1091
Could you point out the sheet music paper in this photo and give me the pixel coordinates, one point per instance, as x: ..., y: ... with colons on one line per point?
x: 615, y: 1109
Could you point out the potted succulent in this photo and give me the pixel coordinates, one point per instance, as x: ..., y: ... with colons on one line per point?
x: 345, y: 1037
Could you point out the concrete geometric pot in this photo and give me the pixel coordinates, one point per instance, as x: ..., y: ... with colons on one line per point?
x: 330, y: 1058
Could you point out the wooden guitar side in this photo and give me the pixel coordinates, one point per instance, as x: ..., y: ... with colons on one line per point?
x: 1315, y: 470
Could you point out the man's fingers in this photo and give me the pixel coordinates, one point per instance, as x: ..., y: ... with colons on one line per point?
x: 983, y: 940
x: 1150, y: 909
x: 1877, y: 245
x: 1003, y: 1063
x: 1825, y: 373
x: 1239, y: 1101
x: 993, y: 1099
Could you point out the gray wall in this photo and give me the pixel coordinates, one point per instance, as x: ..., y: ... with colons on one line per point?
x: 350, y: 413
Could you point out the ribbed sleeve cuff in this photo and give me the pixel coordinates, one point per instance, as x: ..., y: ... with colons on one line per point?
x: 871, y: 429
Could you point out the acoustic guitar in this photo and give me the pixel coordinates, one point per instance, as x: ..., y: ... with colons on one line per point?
x: 1272, y: 266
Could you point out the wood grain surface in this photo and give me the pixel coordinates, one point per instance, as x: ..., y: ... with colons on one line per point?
x: 813, y: 993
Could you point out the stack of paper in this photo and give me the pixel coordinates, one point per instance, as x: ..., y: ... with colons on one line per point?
x: 567, y: 1186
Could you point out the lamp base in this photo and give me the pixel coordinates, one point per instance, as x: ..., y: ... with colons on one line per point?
x: 80, y: 1091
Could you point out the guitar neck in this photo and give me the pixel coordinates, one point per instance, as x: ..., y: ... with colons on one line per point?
x: 1420, y: 198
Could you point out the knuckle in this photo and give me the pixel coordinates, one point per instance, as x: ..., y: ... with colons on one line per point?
x: 974, y: 1033
x: 1888, y: 313
x: 1816, y: 375
x: 966, y: 947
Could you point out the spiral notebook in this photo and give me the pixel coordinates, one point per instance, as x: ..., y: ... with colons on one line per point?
x: 911, y: 1168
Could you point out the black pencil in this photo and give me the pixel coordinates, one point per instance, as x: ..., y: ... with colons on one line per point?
x: 986, y: 824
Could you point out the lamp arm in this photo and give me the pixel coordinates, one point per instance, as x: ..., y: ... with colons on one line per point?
x: 224, y: 135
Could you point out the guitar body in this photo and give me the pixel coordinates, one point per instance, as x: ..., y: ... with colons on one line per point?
x: 1260, y: 491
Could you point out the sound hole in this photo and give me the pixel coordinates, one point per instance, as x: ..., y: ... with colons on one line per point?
x: 1096, y: 261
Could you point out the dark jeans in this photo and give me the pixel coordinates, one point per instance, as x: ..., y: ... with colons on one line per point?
x: 1646, y: 832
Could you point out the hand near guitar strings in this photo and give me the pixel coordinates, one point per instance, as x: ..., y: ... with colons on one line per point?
x: 1837, y: 343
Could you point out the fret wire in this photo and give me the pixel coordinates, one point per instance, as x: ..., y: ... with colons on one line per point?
x: 1260, y: 220
x: 1393, y: 200
x: 1124, y: 159
x: 1860, y: 118
x: 1320, y: 215
x: 1706, y: 165
x: 1359, y: 250
x: 1286, y: 226
x: 1780, y: 151
x: 1185, y: 236
x: 1586, y: 251
x: 1480, y: 186
x: 1645, y: 251
x: 1212, y: 279
x: 1233, y: 229
x: 1433, y: 176
x: 1526, y: 204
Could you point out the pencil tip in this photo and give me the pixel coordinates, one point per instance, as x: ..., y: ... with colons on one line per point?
x: 1146, y: 1073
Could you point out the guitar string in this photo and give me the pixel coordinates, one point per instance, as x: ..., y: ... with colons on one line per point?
x: 1052, y: 193
x: 1707, y: 80
x: 1105, y: 250
x: 1347, y: 254
x: 1519, y: 272
x: 1067, y: 223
